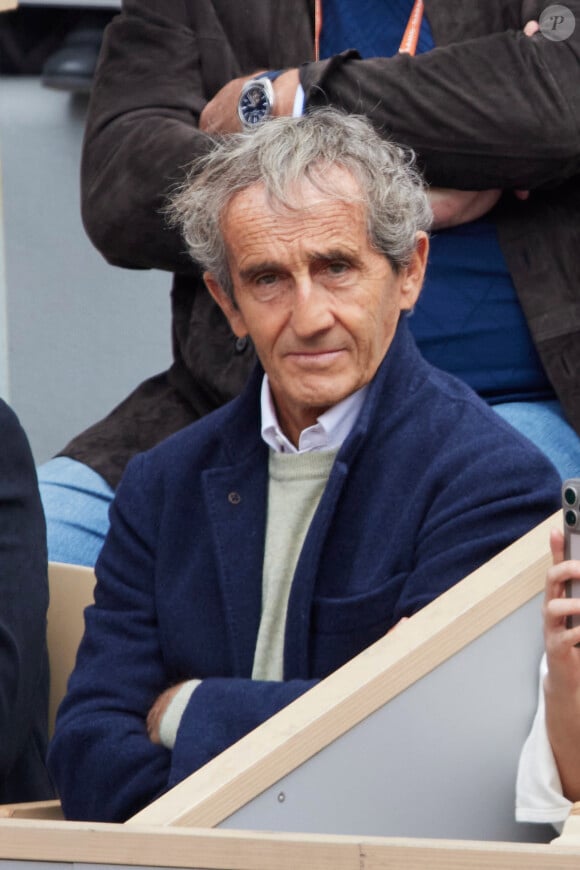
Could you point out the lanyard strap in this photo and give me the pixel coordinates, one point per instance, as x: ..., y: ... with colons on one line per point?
x: 317, y: 28
x: 410, y: 36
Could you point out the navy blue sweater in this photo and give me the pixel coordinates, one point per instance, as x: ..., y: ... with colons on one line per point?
x: 429, y: 484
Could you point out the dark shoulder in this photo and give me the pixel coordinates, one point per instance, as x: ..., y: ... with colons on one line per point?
x: 15, y: 446
x: 9, y: 422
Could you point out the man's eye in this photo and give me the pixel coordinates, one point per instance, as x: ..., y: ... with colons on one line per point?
x: 338, y: 267
x: 266, y: 280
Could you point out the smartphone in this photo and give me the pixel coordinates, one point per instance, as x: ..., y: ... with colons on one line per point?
x: 571, y: 511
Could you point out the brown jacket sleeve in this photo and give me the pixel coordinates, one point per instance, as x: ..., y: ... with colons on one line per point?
x: 141, y: 133
x: 489, y: 107
x: 161, y: 61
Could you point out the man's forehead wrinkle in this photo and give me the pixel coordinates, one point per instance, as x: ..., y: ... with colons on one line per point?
x: 291, y: 243
x: 307, y: 210
x: 323, y: 230
x: 336, y: 185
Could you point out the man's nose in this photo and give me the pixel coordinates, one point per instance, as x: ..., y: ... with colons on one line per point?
x: 311, y: 309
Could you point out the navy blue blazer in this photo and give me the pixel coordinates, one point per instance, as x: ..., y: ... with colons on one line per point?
x: 23, y: 604
x: 429, y: 484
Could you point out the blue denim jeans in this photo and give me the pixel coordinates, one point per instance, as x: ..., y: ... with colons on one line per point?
x: 76, y: 505
x: 545, y: 425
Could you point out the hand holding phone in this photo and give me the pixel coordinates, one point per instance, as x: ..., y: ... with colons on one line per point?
x: 571, y: 511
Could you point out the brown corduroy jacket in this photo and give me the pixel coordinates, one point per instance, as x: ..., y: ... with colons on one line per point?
x: 489, y: 107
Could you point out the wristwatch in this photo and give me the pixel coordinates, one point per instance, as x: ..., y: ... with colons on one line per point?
x: 257, y: 100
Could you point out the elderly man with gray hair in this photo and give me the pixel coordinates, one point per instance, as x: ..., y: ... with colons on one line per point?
x: 254, y: 552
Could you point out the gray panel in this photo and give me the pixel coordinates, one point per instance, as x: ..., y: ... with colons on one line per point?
x: 438, y: 761
x: 36, y: 865
x: 82, y: 334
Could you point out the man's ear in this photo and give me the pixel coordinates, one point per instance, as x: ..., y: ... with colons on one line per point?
x: 231, y: 311
x: 414, y: 273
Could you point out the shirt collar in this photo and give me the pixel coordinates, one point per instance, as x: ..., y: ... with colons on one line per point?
x: 328, y: 433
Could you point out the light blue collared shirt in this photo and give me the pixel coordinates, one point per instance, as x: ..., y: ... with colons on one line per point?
x: 328, y: 433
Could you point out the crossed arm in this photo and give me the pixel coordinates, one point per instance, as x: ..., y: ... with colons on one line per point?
x: 450, y: 206
x: 518, y: 132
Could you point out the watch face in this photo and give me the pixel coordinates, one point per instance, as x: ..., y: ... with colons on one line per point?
x: 255, y: 103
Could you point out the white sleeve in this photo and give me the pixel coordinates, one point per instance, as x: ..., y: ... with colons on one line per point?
x: 171, y: 719
x: 539, y: 796
x: 299, y: 98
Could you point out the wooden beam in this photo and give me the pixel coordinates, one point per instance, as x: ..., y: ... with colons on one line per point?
x: 571, y: 832
x: 100, y: 844
x: 33, y: 810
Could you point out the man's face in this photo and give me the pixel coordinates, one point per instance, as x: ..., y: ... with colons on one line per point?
x: 320, y: 304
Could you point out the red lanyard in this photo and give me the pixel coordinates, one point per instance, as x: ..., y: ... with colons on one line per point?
x: 317, y: 28
x: 410, y: 36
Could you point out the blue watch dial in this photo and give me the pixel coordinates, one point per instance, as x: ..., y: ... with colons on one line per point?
x: 255, y: 102
x: 255, y: 105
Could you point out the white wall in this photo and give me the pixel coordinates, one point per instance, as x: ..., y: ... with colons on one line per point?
x: 76, y: 335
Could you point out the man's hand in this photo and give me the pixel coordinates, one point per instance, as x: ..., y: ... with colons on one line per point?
x: 157, y: 712
x: 453, y: 207
x: 220, y: 115
x: 559, y: 640
x: 531, y: 28
x: 562, y: 682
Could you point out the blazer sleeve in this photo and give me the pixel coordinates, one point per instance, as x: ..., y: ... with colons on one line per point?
x: 221, y: 711
x: 500, y: 110
x: 104, y: 765
x: 23, y: 593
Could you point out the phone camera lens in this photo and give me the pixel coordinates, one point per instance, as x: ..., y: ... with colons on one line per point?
x: 571, y: 518
x: 569, y: 495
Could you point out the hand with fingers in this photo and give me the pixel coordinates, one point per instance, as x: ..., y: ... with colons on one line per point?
x: 562, y: 682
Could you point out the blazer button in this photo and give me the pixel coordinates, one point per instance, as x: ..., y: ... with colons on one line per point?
x: 234, y: 497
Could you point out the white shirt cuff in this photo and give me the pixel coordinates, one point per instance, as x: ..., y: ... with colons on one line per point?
x: 299, y: 99
x: 172, y: 717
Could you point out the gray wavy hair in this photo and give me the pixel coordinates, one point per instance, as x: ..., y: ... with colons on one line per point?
x: 284, y: 151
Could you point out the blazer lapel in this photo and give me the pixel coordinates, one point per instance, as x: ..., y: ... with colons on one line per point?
x: 236, y: 505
